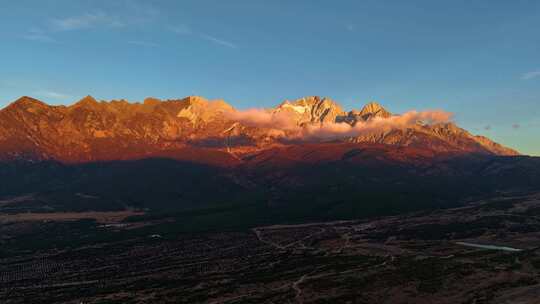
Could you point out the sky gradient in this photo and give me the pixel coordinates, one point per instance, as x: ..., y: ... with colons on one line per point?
x: 477, y: 59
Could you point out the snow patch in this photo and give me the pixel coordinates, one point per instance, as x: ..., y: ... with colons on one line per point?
x: 299, y: 109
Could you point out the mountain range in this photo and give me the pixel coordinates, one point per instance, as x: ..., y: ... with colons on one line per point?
x: 91, y: 130
x: 303, y: 159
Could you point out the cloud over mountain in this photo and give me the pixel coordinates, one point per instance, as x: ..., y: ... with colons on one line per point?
x: 376, y: 124
x: 285, y: 121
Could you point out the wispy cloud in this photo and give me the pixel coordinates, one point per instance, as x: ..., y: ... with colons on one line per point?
x: 143, y: 43
x: 219, y: 41
x: 39, y: 38
x: 86, y: 21
x: 52, y: 94
x: 127, y: 13
x: 186, y: 30
x: 181, y: 29
x: 530, y: 75
x: 38, y: 35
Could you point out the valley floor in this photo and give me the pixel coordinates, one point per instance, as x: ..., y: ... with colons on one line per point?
x: 424, y: 257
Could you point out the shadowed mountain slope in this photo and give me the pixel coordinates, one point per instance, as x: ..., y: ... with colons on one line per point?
x: 307, y: 157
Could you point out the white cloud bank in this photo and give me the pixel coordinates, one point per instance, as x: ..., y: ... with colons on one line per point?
x: 283, y: 121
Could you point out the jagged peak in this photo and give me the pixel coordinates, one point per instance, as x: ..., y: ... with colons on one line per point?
x: 26, y: 101
x: 313, y: 100
x: 203, y: 104
x: 374, y: 109
x: 309, y: 101
x: 449, y: 126
x: 196, y: 100
x: 198, y: 108
x: 311, y: 109
x: 87, y: 101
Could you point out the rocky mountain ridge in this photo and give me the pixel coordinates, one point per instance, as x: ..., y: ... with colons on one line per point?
x: 91, y: 130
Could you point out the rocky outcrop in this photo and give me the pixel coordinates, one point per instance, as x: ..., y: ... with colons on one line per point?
x: 368, y: 112
x: 372, y: 110
x: 313, y: 109
x: 198, y: 110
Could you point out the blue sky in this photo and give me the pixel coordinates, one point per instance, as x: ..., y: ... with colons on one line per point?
x: 478, y: 59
